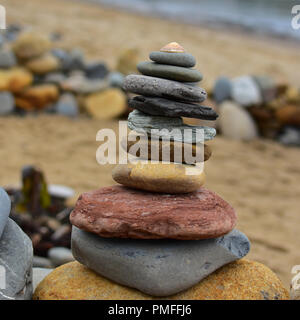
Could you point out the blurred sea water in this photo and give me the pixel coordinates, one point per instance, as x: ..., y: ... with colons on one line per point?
x: 261, y: 16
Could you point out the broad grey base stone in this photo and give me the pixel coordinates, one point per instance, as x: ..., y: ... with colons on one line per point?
x: 16, y: 255
x: 157, y: 267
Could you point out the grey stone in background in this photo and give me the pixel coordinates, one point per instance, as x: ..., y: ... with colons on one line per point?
x: 41, y: 262
x: 267, y: 87
x: 16, y: 255
x: 7, y: 103
x: 142, y: 123
x: 60, y: 255
x: 222, y: 89
x: 157, y: 267
x: 96, y: 70
x: 168, y: 89
x: 7, y: 58
x: 173, y: 58
x: 70, y: 61
x: 67, y: 105
x: 5, y: 206
x: 38, y: 275
x: 116, y: 79
x: 245, y: 91
x: 290, y: 136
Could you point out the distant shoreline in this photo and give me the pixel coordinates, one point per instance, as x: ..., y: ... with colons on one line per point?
x: 217, y: 26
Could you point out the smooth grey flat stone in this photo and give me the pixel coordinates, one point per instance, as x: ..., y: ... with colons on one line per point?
x: 38, y: 275
x: 169, y: 72
x: 16, y: 255
x: 180, y: 59
x: 168, y: 89
x: 144, y: 123
x: 5, y: 206
x: 60, y: 255
x: 157, y: 267
x: 168, y: 108
x: 7, y: 103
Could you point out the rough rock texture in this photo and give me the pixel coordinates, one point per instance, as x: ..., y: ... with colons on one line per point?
x: 173, y: 58
x: 5, y: 205
x: 127, y: 213
x: 157, y: 267
x: 167, y: 108
x: 239, y: 280
x: 164, y: 177
x: 169, y: 72
x: 161, y: 149
x: 16, y: 255
x: 156, y: 87
x: 165, y: 127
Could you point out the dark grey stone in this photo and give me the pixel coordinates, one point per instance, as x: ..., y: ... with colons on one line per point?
x: 168, y: 89
x: 67, y: 105
x: 5, y: 206
x: 16, y: 255
x: 169, y: 72
x: 157, y: 267
x: 168, y: 108
x: 162, y: 127
x: 96, y: 70
x: 267, y: 87
x: 222, y: 90
x: 173, y: 58
x: 70, y: 61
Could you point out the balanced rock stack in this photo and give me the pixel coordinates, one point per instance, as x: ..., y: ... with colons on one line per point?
x: 161, y: 233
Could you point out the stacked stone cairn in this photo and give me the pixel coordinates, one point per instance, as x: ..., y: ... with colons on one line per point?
x: 160, y: 231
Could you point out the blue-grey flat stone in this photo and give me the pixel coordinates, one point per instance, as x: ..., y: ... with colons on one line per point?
x: 157, y: 267
x: 5, y: 206
x: 7, y: 58
x: 7, y: 103
x: 168, y: 89
x: 164, y: 107
x: 67, y: 105
x: 16, y: 255
x: 169, y: 72
x: 144, y: 123
x: 222, y: 89
x: 180, y: 59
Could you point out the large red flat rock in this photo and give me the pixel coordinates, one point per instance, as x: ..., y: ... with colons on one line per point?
x: 120, y: 212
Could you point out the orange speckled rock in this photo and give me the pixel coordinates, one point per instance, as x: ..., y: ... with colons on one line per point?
x: 15, y: 79
x: 240, y: 280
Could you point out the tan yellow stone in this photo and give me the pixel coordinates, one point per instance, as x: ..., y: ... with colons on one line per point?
x: 240, y: 280
x: 43, y: 64
x: 160, y: 177
x: 30, y: 45
x: 172, y: 47
x: 127, y: 61
x: 107, y: 104
x: 37, y: 97
x: 15, y: 80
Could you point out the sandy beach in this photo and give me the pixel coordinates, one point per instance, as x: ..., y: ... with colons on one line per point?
x: 260, y: 178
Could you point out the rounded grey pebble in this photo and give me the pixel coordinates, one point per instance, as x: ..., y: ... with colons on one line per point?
x: 67, y: 105
x: 169, y: 72
x: 168, y: 89
x: 180, y: 59
x: 60, y: 255
x: 7, y: 103
x: 157, y: 267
